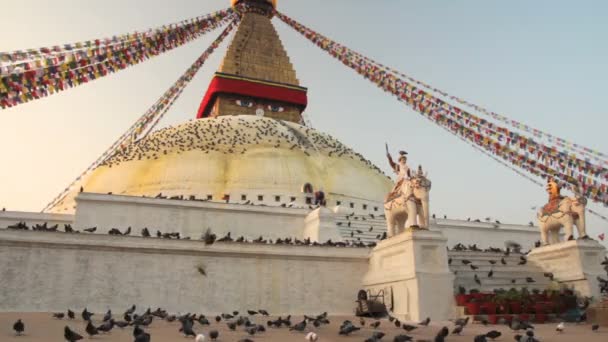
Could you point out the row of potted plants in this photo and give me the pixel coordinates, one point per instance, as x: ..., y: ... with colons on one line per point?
x: 513, y: 301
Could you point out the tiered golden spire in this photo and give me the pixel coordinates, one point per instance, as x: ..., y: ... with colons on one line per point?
x: 256, y: 76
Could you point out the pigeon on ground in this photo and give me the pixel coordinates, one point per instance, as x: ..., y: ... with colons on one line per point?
x: 425, y: 322
x: 493, y: 334
x: 86, y: 315
x: 199, y: 338
x: 71, y: 314
x: 595, y: 327
x: 143, y: 337
x: 213, y: 335
x: 91, y: 329
x: 311, y: 337
x: 58, y: 315
x: 560, y: 327
x: 19, y: 327
x: 402, y: 338
x: 408, y: 327
x: 457, y: 330
x: 71, y: 336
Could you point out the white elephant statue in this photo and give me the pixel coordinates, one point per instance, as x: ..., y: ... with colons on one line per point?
x: 561, y: 212
x: 410, y: 206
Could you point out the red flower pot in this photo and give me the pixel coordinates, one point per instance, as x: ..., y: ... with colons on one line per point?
x: 472, y: 308
x: 488, y: 308
x: 539, y: 308
x: 493, y: 319
x: 540, y: 318
x: 461, y: 299
x: 515, y: 307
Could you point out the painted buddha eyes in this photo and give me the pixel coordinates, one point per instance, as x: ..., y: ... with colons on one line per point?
x: 249, y: 104
x: 274, y: 108
x: 244, y: 103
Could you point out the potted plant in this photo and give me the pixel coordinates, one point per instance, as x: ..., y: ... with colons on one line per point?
x: 473, y: 306
x: 461, y: 297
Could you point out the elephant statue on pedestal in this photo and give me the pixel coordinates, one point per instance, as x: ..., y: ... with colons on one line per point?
x: 561, y: 212
x: 409, y: 206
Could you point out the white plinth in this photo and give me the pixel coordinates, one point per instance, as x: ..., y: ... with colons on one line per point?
x: 412, y: 269
x: 574, y: 263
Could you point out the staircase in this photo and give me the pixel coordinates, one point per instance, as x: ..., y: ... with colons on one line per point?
x: 511, y: 275
x: 357, y: 227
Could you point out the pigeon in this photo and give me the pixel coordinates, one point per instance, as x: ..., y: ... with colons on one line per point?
x: 107, y: 316
x: 299, y: 327
x: 58, y: 315
x: 252, y: 313
x: 91, y: 330
x: 143, y: 337
x: 408, y: 327
x: 522, y: 260
x: 374, y: 325
x: 480, y: 338
x: 348, y: 329
x: 548, y: 275
x: 530, y: 280
x: 493, y: 334
x: 476, y: 278
x: 466, y: 262
x: 137, y: 331
x: 213, y: 335
x: 71, y: 336
x: 19, y: 327
x: 106, y: 326
x: 199, y: 338
x: 90, y: 230
x: 71, y: 314
x: 425, y: 322
x: 187, y: 328
x: 502, y: 261
x: 457, y: 330
x: 231, y: 326
x: 490, y: 274
x: 311, y: 337
x: 398, y: 323
x: 376, y: 337
x: 402, y: 338
x: 560, y: 327
x: 441, y: 335
x: 86, y: 315
x: 595, y: 327
x: 492, y: 262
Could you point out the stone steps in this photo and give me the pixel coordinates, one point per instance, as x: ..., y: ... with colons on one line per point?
x: 361, y: 223
x: 502, y: 276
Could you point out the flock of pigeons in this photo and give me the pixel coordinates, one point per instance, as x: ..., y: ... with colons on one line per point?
x: 232, y: 135
x: 208, y: 237
x: 309, y: 326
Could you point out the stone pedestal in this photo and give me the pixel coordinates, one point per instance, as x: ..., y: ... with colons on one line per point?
x: 575, y: 264
x: 412, y: 270
x: 319, y: 226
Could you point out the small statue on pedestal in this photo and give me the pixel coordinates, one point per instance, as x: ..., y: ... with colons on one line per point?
x: 560, y: 212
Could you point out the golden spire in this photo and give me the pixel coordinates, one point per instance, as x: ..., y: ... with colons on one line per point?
x: 256, y: 76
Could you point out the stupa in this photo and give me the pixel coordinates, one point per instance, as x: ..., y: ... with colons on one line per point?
x: 249, y: 143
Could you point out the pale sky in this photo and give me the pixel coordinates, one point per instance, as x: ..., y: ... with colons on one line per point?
x: 540, y: 62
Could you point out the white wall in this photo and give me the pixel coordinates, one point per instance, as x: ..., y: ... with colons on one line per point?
x: 44, y: 271
x: 8, y: 218
x: 485, y: 234
x: 189, y: 218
